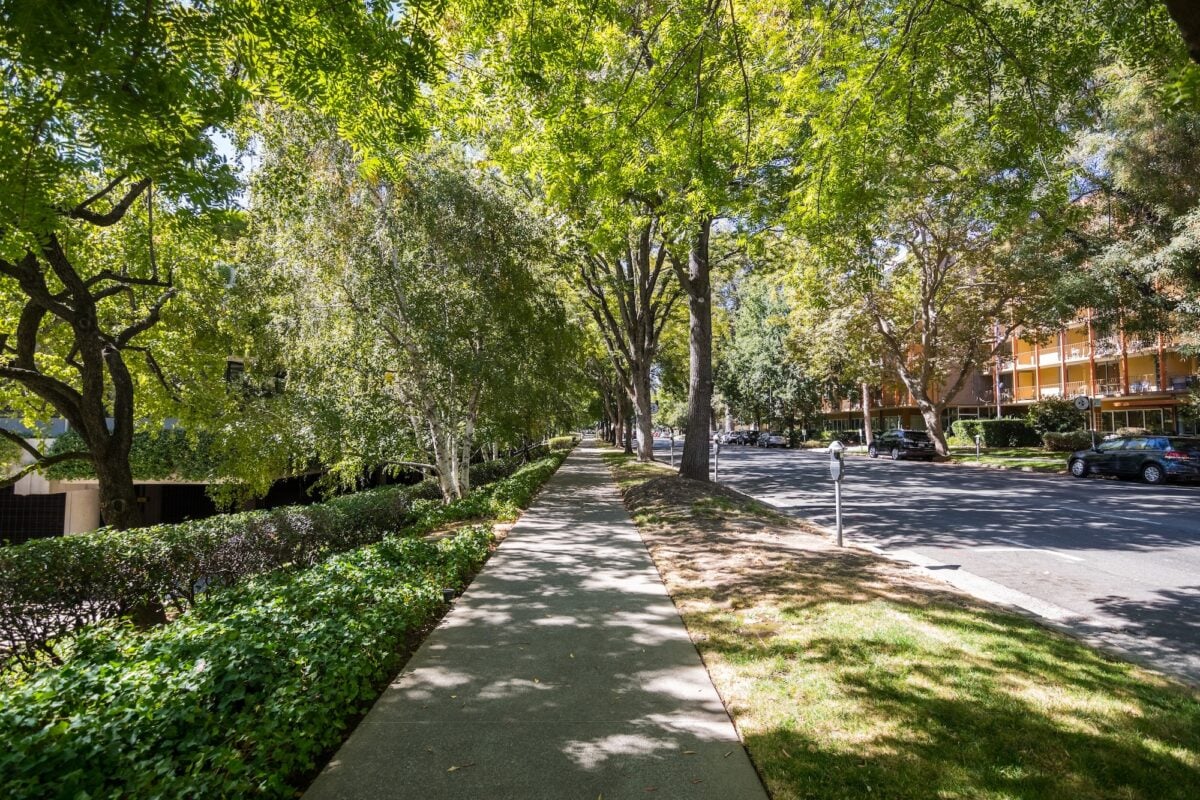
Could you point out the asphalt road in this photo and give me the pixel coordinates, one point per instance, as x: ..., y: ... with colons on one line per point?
x: 1115, y: 561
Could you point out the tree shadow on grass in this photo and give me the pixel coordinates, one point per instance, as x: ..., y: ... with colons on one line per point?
x: 851, y: 676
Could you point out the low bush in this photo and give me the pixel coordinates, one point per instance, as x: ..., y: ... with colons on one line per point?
x: 1056, y: 415
x: 562, y: 443
x: 49, y: 587
x: 1003, y: 432
x: 1132, y: 432
x: 966, y: 429
x: 242, y: 695
x: 1067, y: 442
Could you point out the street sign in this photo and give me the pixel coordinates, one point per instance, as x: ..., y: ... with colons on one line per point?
x: 1083, y: 403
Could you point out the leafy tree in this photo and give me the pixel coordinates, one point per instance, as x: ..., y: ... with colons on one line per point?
x: 415, y: 307
x: 934, y: 201
x: 111, y: 186
x: 630, y: 295
x: 664, y: 104
x: 758, y: 372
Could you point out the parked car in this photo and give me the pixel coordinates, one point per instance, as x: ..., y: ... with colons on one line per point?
x: 1153, y: 458
x: 768, y: 439
x: 747, y: 437
x: 902, y: 443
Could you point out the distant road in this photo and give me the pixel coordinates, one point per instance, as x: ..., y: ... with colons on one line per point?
x: 1115, y: 561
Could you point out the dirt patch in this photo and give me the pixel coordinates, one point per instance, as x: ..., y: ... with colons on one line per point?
x: 719, y: 545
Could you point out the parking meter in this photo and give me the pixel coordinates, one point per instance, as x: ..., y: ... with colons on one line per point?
x: 837, y: 464
x: 672, y: 448
x: 978, y: 443
x: 837, y: 470
x: 717, y: 460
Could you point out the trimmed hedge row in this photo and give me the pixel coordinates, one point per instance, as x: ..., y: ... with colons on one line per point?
x: 1067, y: 442
x: 562, y: 443
x: 49, y: 587
x: 239, y: 697
x: 1003, y: 432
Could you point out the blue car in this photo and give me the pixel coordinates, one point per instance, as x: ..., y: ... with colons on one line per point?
x: 1152, y: 458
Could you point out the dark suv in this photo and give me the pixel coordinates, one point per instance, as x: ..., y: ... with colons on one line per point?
x: 900, y: 444
x: 1153, y: 458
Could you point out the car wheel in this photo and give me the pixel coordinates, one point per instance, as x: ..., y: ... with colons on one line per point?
x: 872, y: 452
x: 1079, y: 468
x: 1154, y: 474
x: 895, y: 454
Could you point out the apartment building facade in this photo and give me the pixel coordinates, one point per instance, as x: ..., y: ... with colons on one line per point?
x: 1133, y: 382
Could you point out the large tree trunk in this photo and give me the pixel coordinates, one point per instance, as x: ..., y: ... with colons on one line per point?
x: 932, y: 413
x: 694, y: 462
x: 118, y: 498
x: 641, y: 399
x: 868, y: 432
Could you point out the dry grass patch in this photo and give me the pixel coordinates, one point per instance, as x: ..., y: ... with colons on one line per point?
x: 850, y: 676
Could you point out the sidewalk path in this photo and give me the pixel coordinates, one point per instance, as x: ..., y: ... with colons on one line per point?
x: 563, y: 672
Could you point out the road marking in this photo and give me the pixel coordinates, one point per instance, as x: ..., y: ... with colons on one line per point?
x: 1023, y: 546
x: 1093, y: 510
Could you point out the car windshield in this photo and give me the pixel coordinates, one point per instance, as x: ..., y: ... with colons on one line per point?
x: 1189, y: 445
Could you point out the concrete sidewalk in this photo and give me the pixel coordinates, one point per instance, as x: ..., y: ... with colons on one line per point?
x: 563, y: 672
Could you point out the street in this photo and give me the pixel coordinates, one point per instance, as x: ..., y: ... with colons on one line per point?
x: 1117, y: 562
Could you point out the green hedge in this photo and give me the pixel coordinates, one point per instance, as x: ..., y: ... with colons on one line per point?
x: 562, y: 443
x: 49, y: 587
x: 1003, y: 432
x: 243, y: 695
x: 1067, y: 442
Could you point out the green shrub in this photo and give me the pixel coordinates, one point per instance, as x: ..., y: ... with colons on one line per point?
x: 1055, y: 415
x: 49, y: 587
x: 1067, y: 442
x: 966, y: 429
x: 959, y: 441
x: 1132, y: 432
x: 562, y: 443
x: 240, y: 697
x: 1008, y: 433
x: 1003, y: 432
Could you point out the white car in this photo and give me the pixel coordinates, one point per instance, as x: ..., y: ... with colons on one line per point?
x: 768, y: 439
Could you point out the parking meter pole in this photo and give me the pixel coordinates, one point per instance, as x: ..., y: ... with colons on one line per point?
x: 672, y: 450
x: 837, y: 501
x: 978, y: 441
x: 717, y: 463
x: 837, y: 470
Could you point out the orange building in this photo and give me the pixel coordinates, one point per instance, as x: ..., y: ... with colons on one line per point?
x: 1134, y: 382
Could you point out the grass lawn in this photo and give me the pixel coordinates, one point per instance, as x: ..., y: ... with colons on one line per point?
x: 850, y: 676
x: 1031, y: 458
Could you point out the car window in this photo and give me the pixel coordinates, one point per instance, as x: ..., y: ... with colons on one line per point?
x: 1186, y: 445
x: 1112, y: 444
x: 1158, y: 443
x: 1139, y: 443
x: 916, y: 436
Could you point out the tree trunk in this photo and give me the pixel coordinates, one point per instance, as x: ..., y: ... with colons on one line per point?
x: 641, y: 399
x: 118, y: 499
x: 694, y: 462
x: 628, y: 430
x: 868, y: 433
x: 932, y: 414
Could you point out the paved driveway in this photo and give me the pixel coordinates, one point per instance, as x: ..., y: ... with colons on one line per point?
x: 1116, y: 561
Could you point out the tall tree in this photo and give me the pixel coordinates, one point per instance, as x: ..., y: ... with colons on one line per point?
x: 630, y: 294
x: 664, y: 104
x: 111, y: 108
x: 418, y: 294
